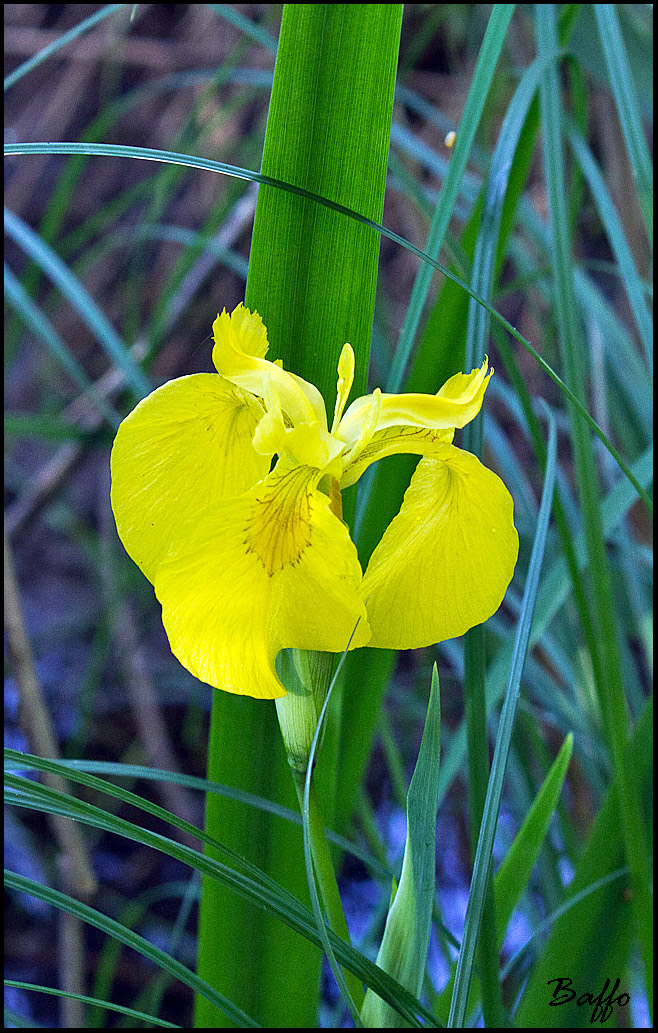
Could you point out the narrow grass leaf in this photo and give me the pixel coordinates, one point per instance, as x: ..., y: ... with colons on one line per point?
x: 131, y: 939
x: 276, y: 901
x: 604, y: 919
x: 255, y: 32
x: 80, y: 299
x: 534, y: 941
x: 492, y: 210
x: 312, y: 862
x: 251, y: 871
x: 516, y: 867
x: 41, y: 798
x: 131, y: 915
x: 513, y: 875
x: 43, y: 426
x: 629, y: 275
x: 483, y: 857
x: 488, y: 55
x: 477, y: 334
x: 131, y: 1012
x: 628, y: 108
x: 152, y: 995
x: 43, y: 328
x: 14, y: 760
x: 610, y: 684
x: 552, y: 596
x: 57, y: 44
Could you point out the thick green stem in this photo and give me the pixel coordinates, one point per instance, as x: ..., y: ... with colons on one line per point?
x: 312, y: 277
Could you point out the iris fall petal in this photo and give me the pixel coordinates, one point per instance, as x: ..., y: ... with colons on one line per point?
x: 186, y: 445
x: 267, y: 571
x: 446, y: 559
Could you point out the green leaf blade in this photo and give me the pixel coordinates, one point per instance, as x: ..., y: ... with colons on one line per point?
x: 483, y: 857
x: 312, y: 277
x: 628, y: 108
x: 403, y: 952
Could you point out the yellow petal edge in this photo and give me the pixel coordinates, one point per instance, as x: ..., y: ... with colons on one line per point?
x: 445, y: 561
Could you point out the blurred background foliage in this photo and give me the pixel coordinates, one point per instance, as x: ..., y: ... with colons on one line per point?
x: 115, y: 273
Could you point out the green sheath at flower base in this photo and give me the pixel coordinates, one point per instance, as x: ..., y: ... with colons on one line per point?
x: 298, y: 710
x: 226, y: 492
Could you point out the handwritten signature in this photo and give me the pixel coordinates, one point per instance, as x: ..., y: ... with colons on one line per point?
x: 602, y: 1005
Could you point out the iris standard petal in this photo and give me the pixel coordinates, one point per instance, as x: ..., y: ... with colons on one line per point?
x: 456, y: 404
x: 271, y: 570
x: 412, y: 440
x: 445, y: 561
x: 239, y: 355
x: 186, y: 445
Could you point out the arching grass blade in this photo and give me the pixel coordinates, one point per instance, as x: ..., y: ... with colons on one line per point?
x: 483, y: 857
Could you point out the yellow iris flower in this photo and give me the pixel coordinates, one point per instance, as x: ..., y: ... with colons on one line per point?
x: 249, y: 557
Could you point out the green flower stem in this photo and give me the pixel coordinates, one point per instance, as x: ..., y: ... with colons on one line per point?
x: 326, y: 876
x: 478, y: 780
x: 312, y: 277
x: 306, y: 674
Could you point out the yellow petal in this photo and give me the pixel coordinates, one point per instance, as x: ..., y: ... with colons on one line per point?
x: 346, y: 366
x: 445, y: 561
x: 456, y: 404
x: 242, y: 333
x: 187, y: 443
x: 307, y: 444
x: 412, y: 440
x: 271, y: 570
x: 239, y: 355
x: 467, y: 388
